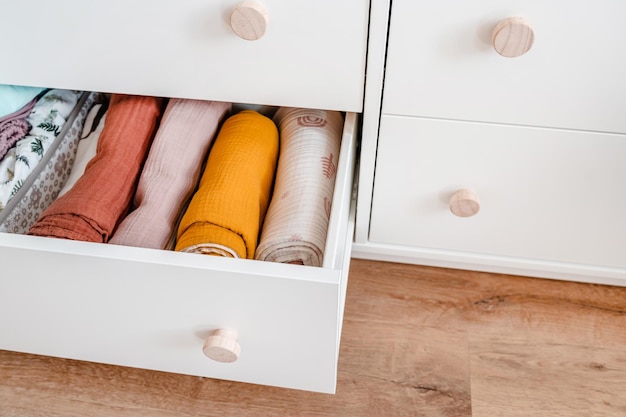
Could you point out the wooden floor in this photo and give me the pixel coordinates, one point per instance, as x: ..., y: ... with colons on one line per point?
x: 416, y: 342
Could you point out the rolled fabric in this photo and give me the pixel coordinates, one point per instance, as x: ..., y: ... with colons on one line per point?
x: 295, y: 228
x: 171, y: 172
x: 11, y: 132
x: 226, y: 212
x: 87, y: 145
x: 99, y: 199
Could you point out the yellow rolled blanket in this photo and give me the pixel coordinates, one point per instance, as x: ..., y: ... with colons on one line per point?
x: 227, y: 210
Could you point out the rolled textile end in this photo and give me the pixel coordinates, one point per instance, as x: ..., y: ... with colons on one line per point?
x: 295, y: 228
x: 234, y: 191
x: 212, y: 239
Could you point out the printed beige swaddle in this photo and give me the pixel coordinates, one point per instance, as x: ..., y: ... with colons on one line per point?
x: 295, y: 228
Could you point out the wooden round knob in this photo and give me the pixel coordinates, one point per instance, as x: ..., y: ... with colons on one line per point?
x: 222, y: 346
x: 249, y: 20
x: 464, y: 203
x: 513, y: 37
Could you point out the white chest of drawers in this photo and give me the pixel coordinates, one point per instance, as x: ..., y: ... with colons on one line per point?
x: 154, y: 309
x: 538, y: 140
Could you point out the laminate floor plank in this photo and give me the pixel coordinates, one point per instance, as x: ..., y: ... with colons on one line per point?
x: 416, y: 341
x: 552, y: 349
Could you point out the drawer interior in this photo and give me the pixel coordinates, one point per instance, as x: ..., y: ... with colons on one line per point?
x: 152, y: 308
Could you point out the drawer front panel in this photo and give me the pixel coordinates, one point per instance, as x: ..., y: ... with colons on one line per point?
x: 312, y: 54
x: 442, y: 63
x: 156, y: 315
x: 544, y: 194
x: 153, y: 309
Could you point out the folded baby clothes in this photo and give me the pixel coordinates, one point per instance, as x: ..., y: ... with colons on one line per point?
x: 87, y: 145
x: 226, y: 212
x: 19, y: 114
x: 47, y: 120
x: 14, y: 97
x: 171, y: 172
x: 42, y: 186
x: 100, y: 198
x: 294, y: 230
x: 11, y: 132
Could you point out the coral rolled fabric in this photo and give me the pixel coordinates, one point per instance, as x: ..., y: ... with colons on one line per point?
x: 96, y: 203
x: 226, y: 212
x: 171, y: 172
x: 295, y: 228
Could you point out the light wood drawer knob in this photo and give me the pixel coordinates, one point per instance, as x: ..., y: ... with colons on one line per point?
x: 513, y: 37
x: 464, y: 203
x: 222, y: 346
x: 249, y: 20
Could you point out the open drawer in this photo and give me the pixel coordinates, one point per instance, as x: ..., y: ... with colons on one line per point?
x: 154, y: 309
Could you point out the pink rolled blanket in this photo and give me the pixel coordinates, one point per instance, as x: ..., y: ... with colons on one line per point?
x: 171, y: 172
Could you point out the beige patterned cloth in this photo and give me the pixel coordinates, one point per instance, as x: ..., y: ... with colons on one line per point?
x: 295, y: 228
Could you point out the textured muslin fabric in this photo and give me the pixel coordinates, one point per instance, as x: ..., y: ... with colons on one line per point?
x: 226, y: 212
x: 11, y: 132
x: 171, y: 172
x: 87, y: 146
x: 100, y: 198
x: 12, y: 123
x: 294, y: 230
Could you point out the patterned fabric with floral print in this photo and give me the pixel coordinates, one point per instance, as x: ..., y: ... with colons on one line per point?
x: 42, y: 188
x: 47, y: 119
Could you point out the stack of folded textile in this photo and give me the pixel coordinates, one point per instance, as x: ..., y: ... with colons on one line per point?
x: 16, y: 103
x: 46, y: 119
x: 43, y: 184
x: 227, y: 210
x: 296, y: 224
x: 98, y: 200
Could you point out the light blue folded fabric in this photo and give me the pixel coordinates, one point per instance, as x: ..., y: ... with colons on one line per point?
x: 14, y: 97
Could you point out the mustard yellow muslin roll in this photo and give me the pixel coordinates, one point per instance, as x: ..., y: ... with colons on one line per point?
x: 227, y: 210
